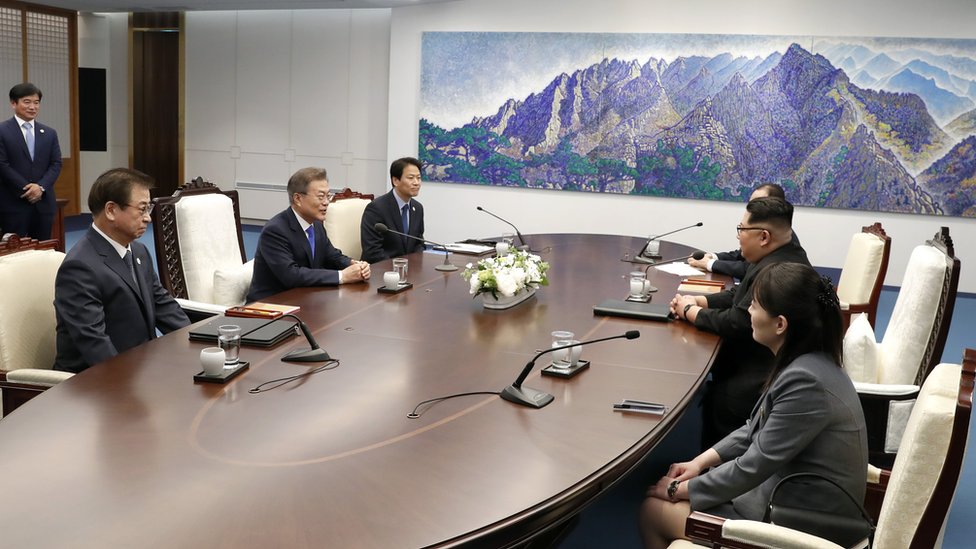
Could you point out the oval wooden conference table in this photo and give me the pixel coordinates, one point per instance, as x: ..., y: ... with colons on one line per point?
x: 132, y: 453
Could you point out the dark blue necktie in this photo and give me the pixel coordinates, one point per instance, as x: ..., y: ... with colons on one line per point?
x: 310, y: 231
x: 405, y: 217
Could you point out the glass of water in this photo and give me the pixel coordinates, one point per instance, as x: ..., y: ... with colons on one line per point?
x: 229, y: 339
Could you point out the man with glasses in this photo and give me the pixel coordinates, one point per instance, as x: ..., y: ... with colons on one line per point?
x: 732, y: 263
x: 742, y: 365
x: 107, y: 297
x: 398, y: 210
x: 294, y: 251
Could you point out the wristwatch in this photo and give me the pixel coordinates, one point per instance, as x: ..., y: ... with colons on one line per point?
x: 684, y: 313
x: 673, y: 489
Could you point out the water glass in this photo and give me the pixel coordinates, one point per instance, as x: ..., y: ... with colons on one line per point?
x: 229, y: 339
x: 400, y: 266
x: 653, y: 248
x: 562, y: 358
x: 638, y: 285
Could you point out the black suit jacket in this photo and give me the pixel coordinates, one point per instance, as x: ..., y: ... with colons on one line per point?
x: 376, y: 246
x: 733, y: 264
x: 283, y: 259
x: 17, y: 169
x: 100, y: 311
x: 742, y: 365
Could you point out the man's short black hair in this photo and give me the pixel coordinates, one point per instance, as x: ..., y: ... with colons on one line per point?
x: 25, y: 89
x: 773, y: 190
x: 116, y: 186
x: 772, y: 211
x: 396, y: 168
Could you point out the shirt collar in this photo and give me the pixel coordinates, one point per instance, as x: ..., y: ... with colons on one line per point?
x: 119, y: 249
x: 21, y: 121
x: 400, y: 202
x: 301, y: 221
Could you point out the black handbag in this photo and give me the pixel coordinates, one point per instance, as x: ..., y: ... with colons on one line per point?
x: 841, y: 529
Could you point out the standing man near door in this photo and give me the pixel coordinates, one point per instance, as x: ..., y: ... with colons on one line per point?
x: 397, y: 209
x: 30, y: 161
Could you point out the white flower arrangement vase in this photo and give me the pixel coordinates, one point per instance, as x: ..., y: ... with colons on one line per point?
x: 506, y: 302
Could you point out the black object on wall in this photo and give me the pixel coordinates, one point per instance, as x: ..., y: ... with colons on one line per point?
x: 92, y: 109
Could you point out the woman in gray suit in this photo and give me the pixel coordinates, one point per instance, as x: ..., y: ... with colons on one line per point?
x: 808, y: 419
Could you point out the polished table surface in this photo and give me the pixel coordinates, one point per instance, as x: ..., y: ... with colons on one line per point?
x: 133, y: 453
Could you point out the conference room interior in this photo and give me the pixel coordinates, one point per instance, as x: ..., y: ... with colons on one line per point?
x: 266, y: 92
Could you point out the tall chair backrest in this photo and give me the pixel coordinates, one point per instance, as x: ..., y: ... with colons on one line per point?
x: 343, y: 219
x: 862, y: 277
x: 197, y: 232
x: 916, y: 334
x: 926, y: 470
x: 27, y: 320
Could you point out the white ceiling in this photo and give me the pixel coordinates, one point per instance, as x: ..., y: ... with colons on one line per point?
x: 205, y: 5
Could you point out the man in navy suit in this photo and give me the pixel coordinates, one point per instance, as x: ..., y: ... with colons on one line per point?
x: 107, y: 297
x: 294, y: 251
x: 30, y: 161
x: 398, y: 210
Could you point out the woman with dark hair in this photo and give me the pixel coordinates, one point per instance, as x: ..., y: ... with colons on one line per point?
x: 808, y: 419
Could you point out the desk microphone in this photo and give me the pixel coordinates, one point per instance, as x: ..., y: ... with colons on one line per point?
x: 521, y: 240
x: 651, y: 263
x: 314, y: 354
x: 446, y: 266
x: 537, y: 399
x: 645, y: 253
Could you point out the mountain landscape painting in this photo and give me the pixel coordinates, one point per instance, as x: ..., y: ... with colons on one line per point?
x: 879, y: 124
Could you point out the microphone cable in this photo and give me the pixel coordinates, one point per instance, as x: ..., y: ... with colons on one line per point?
x: 416, y: 414
x: 331, y: 364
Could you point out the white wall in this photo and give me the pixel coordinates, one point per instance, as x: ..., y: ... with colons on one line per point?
x: 825, y: 233
x: 269, y: 92
x: 103, y: 44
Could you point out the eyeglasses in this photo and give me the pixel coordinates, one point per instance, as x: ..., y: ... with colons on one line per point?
x: 144, y: 209
x: 740, y: 228
x: 323, y: 198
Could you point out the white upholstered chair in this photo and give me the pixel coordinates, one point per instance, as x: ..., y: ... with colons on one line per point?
x: 917, y: 492
x: 200, y: 249
x: 343, y: 219
x: 27, y: 321
x: 865, y: 267
x: 887, y: 374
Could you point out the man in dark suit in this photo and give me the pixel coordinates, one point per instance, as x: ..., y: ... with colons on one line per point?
x: 398, y: 210
x: 742, y: 365
x: 294, y: 251
x: 732, y: 263
x: 107, y: 297
x: 30, y: 161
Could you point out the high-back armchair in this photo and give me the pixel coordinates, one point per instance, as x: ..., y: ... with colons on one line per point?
x: 865, y: 267
x: 200, y: 248
x: 917, y: 491
x: 343, y: 219
x: 887, y: 374
x: 27, y: 321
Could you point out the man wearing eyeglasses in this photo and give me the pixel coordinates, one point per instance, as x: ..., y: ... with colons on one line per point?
x: 742, y: 365
x: 107, y: 297
x: 397, y: 209
x: 294, y: 251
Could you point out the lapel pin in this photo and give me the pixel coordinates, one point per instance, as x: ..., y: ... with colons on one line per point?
x: 41, y: 130
x: 138, y: 261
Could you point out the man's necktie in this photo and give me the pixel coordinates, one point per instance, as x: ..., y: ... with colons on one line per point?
x: 29, y: 135
x: 310, y: 231
x: 405, y: 216
x: 132, y: 268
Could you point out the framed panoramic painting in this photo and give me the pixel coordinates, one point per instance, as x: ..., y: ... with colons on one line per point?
x: 880, y: 124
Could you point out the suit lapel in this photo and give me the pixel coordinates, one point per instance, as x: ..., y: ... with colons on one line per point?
x: 19, y: 133
x: 299, y: 239
x: 117, y: 265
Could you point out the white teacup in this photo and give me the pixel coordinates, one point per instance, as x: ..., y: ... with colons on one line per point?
x: 212, y: 360
x: 391, y: 279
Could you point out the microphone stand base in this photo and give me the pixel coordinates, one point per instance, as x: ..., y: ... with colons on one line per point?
x: 526, y: 397
x: 307, y: 355
x: 446, y: 268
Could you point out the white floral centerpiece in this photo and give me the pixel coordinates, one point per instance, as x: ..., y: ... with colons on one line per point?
x: 518, y: 273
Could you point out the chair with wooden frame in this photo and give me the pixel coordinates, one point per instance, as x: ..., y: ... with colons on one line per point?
x: 343, y: 219
x: 863, y: 275
x: 888, y: 374
x: 200, y: 253
x: 28, y: 325
x: 917, y: 492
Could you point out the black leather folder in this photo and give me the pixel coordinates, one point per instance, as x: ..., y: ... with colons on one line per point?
x: 647, y: 311
x: 255, y: 332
